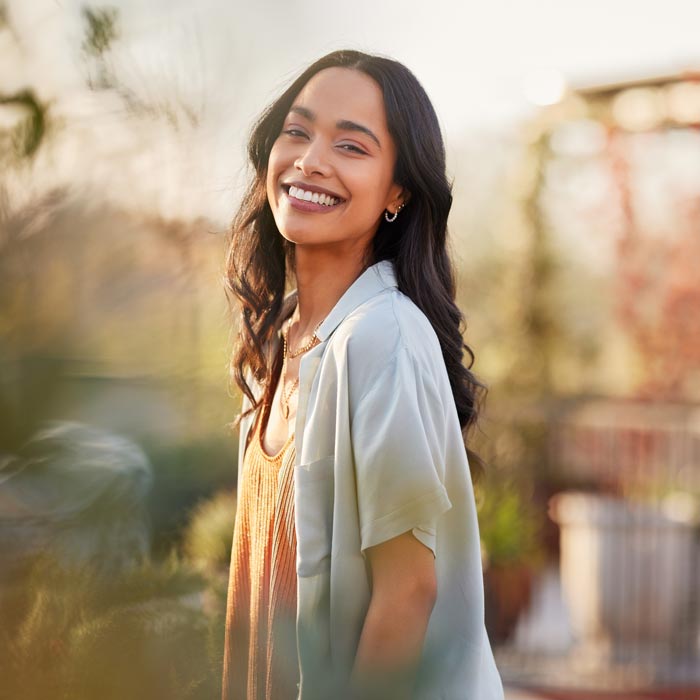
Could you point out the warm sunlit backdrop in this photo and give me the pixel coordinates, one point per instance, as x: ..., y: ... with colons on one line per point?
x: 573, y: 140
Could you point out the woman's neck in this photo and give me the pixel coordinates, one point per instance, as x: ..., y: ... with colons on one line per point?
x: 322, y: 279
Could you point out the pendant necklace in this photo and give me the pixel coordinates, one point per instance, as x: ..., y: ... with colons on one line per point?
x: 284, y: 395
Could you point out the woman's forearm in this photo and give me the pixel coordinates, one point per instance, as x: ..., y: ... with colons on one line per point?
x: 391, y: 644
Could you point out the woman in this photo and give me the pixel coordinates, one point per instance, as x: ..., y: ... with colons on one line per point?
x: 355, y: 569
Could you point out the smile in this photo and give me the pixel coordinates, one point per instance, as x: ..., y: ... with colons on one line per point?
x: 305, y: 200
x: 315, y: 197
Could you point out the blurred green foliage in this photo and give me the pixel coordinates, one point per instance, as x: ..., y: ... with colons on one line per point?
x: 154, y: 630
x: 25, y: 138
x: 78, y: 635
x: 510, y: 523
x: 207, y: 540
x: 101, y: 26
x: 185, y: 475
x: 102, y: 29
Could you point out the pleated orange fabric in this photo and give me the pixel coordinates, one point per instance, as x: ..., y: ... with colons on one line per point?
x: 260, y: 654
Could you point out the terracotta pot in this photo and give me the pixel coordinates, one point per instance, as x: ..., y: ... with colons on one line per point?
x: 507, y: 593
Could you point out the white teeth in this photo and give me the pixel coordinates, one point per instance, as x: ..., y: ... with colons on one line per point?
x: 308, y: 196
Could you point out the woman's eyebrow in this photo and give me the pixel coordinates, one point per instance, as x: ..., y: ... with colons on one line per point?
x: 344, y: 124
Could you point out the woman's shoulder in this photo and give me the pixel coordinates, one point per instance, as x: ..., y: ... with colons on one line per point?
x: 383, y: 329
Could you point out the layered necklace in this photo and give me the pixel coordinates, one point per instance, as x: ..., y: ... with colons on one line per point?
x: 285, y: 396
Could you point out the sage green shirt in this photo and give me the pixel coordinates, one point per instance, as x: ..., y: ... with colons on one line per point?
x: 379, y: 452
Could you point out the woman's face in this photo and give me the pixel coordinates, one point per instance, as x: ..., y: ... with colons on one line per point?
x: 334, y: 142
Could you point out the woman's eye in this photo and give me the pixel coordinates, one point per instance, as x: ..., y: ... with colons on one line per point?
x: 296, y: 133
x: 352, y: 148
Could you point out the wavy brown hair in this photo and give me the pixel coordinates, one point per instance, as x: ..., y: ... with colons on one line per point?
x: 260, y: 260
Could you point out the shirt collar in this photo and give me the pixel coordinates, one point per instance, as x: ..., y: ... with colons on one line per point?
x: 375, y: 279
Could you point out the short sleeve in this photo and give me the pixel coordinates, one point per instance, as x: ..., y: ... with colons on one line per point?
x: 398, y: 439
x: 427, y: 535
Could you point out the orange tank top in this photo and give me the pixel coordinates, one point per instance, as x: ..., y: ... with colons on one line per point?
x: 260, y: 653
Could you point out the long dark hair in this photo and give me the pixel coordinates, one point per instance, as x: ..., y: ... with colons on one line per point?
x: 260, y: 259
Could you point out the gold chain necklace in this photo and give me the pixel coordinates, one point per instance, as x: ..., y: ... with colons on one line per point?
x: 286, y: 396
x: 314, y: 341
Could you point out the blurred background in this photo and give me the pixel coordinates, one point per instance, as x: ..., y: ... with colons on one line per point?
x: 573, y: 137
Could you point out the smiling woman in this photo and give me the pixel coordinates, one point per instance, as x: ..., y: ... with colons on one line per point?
x: 355, y: 568
x: 334, y: 141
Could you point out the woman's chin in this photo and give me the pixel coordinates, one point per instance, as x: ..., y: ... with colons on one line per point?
x: 305, y: 237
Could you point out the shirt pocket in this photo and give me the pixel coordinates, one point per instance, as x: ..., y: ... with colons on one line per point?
x: 313, y: 513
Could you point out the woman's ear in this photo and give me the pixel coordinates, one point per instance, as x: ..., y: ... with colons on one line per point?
x: 400, y: 199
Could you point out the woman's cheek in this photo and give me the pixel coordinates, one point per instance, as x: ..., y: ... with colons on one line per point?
x: 271, y: 178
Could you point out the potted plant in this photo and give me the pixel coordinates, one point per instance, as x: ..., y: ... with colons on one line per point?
x: 510, y: 526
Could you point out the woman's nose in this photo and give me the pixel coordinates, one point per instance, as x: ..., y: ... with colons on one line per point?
x: 313, y: 159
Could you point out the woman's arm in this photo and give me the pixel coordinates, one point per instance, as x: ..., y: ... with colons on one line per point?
x: 404, y: 589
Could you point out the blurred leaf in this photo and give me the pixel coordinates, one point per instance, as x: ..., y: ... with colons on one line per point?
x: 509, y: 523
x: 27, y: 136
x: 101, y: 29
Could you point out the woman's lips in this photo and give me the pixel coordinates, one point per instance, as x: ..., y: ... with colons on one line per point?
x: 308, y: 206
